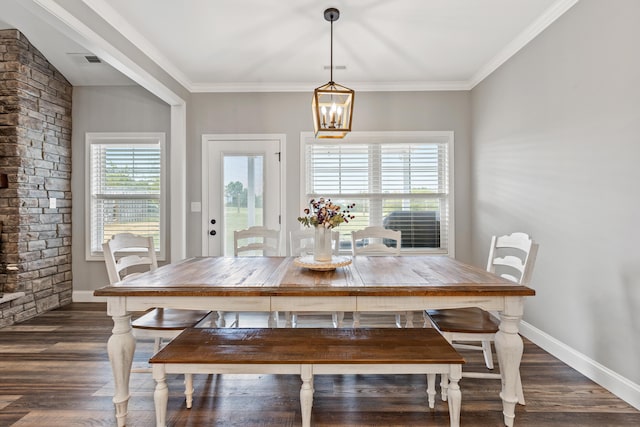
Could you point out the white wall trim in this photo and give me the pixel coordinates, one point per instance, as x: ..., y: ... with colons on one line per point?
x: 414, y: 86
x: 178, y: 182
x: 622, y: 387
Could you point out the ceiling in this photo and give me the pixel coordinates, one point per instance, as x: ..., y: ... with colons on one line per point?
x: 273, y: 45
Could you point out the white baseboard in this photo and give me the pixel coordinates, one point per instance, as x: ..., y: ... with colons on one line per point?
x: 617, y: 384
x: 86, y: 296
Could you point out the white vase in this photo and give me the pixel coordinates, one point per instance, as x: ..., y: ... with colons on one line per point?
x: 322, y: 245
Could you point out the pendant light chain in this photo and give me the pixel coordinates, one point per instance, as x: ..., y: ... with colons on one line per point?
x: 331, y: 50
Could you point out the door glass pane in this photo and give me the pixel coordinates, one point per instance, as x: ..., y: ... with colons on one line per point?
x: 243, y: 180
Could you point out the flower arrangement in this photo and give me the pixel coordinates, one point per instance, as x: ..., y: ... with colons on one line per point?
x: 323, y: 212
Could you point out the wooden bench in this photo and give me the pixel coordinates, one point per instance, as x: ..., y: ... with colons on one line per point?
x: 308, y: 352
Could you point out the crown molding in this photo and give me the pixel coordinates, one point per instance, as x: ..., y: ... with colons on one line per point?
x: 308, y: 87
x: 532, y: 31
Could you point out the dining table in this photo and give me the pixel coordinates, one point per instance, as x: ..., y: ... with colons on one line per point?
x: 272, y: 284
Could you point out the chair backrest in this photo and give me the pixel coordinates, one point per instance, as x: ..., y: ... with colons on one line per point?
x: 258, y: 239
x: 513, y: 257
x: 132, y: 245
x: 301, y: 241
x: 373, y: 241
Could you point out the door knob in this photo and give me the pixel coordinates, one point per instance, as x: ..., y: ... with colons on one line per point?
x: 213, y: 221
x: 212, y: 232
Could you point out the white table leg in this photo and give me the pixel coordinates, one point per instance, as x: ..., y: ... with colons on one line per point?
x: 160, y: 395
x: 455, y: 395
x: 306, y: 394
x: 509, y: 349
x: 121, y: 346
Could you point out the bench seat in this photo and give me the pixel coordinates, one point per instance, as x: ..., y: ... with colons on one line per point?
x: 308, y: 352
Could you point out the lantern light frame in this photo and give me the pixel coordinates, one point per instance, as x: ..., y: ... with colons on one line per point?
x: 332, y: 103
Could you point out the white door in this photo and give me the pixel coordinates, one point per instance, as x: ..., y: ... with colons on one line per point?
x: 241, y: 188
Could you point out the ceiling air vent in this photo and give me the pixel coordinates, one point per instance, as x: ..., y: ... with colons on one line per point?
x: 92, y: 59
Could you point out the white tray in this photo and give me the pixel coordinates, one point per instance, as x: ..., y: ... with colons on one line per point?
x: 311, y: 264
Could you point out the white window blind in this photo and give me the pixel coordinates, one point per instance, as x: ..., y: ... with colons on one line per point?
x: 397, y: 180
x: 125, y: 188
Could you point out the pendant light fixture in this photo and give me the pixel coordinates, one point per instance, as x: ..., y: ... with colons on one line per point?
x: 332, y: 103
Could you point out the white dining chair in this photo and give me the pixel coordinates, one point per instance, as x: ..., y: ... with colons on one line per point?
x: 301, y: 243
x: 254, y: 241
x: 511, y: 257
x: 376, y: 241
x: 127, y: 255
x: 257, y: 241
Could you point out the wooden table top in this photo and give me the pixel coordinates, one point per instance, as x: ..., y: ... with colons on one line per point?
x: 287, y: 345
x: 279, y: 276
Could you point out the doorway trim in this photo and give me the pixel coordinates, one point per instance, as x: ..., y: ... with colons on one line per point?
x: 204, y: 198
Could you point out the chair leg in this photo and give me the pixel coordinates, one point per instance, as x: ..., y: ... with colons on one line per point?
x: 273, y: 320
x: 338, y: 319
x: 213, y: 319
x: 426, y: 321
x: 398, y: 320
x: 157, y: 342
x: 221, y: 322
x: 431, y: 390
x: 409, y: 316
x: 444, y: 386
x: 289, y: 319
x: 486, y: 350
x: 188, y: 389
x: 356, y: 319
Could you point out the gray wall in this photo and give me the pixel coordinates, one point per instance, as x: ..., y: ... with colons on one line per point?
x: 118, y: 109
x: 556, y: 145
x: 106, y: 109
x: 290, y: 114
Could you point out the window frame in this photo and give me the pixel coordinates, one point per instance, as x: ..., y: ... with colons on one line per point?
x: 394, y: 137
x: 124, y: 138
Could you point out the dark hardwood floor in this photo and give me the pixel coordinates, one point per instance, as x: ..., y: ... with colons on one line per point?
x: 54, y: 371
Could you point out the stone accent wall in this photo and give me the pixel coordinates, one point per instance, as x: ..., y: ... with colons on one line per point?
x: 35, y: 153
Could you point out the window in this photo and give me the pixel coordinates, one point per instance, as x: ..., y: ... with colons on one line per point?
x: 125, y: 189
x: 398, y: 180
